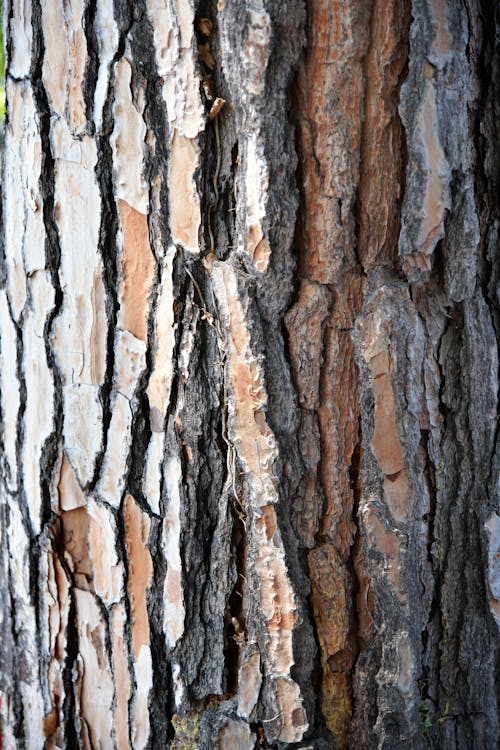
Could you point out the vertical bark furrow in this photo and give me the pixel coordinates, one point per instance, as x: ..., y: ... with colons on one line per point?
x: 328, y: 98
x: 382, y: 140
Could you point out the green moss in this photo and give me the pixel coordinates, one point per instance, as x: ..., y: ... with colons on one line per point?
x: 424, y: 716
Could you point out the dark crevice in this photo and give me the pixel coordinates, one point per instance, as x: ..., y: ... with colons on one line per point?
x: 217, y: 179
x: 20, y: 425
x: 92, y: 66
x: 162, y: 705
x: 299, y: 240
x: 235, y: 625
x: 8, y: 41
x: 354, y: 470
x: 140, y: 436
x: 69, y: 706
x: 15, y: 693
x: 68, y: 676
x: 182, y: 305
x: 427, y: 688
x: 145, y: 78
x: 486, y: 128
x: 121, y: 543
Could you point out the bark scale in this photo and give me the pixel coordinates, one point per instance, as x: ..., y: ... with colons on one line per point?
x: 249, y: 329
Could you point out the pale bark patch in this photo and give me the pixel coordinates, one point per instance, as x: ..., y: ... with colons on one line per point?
x: 82, y: 428
x: 38, y: 415
x: 21, y: 31
x: 69, y: 490
x: 255, y: 447
x: 175, y: 49
x: 23, y: 215
x: 121, y: 676
x: 79, y: 337
x: 256, y: 187
x: 112, y: 479
x: 137, y: 526
x: 107, y: 39
x: 9, y: 392
x: 236, y: 734
x: 249, y: 681
x: 96, y: 690
x: 174, y: 612
x: 185, y: 201
x: 64, y: 60
x: 127, y: 141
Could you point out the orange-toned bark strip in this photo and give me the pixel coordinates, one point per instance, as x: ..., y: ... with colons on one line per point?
x: 346, y: 95
x: 140, y: 570
x: 138, y: 269
x: 382, y: 141
x: 329, y: 98
x: 329, y: 94
x: 332, y: 611
x: 386, y: 443
x: 140, y: 566
x: 58, y: 585
x: 339, y: 417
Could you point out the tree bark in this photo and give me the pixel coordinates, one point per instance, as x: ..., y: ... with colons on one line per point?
x: 249, y: 329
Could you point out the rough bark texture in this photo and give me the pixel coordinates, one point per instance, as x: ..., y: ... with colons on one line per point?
x: 249, y: 328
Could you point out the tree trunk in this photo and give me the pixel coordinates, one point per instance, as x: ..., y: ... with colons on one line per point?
x: 249, y: 324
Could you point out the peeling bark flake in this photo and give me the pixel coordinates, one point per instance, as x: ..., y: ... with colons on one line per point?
x: 96, y: 689
x: 255, y: 447
x: 174, y: 612
x: 64, y: 61
x: 138, y: 267
x: 137, y: 526
x: 121, y: 676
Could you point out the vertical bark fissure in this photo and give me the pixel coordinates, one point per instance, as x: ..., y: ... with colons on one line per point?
x: 91, y: 68
x: 162, y: 705
x: 217, y: 187
x: 22, y: 408
x: 329, y: 298
x: 108, y: 250
x: 70, y: 712
x: 108, y: 227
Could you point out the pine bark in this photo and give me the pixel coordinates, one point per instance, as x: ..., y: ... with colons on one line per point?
x: 249, y: 331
